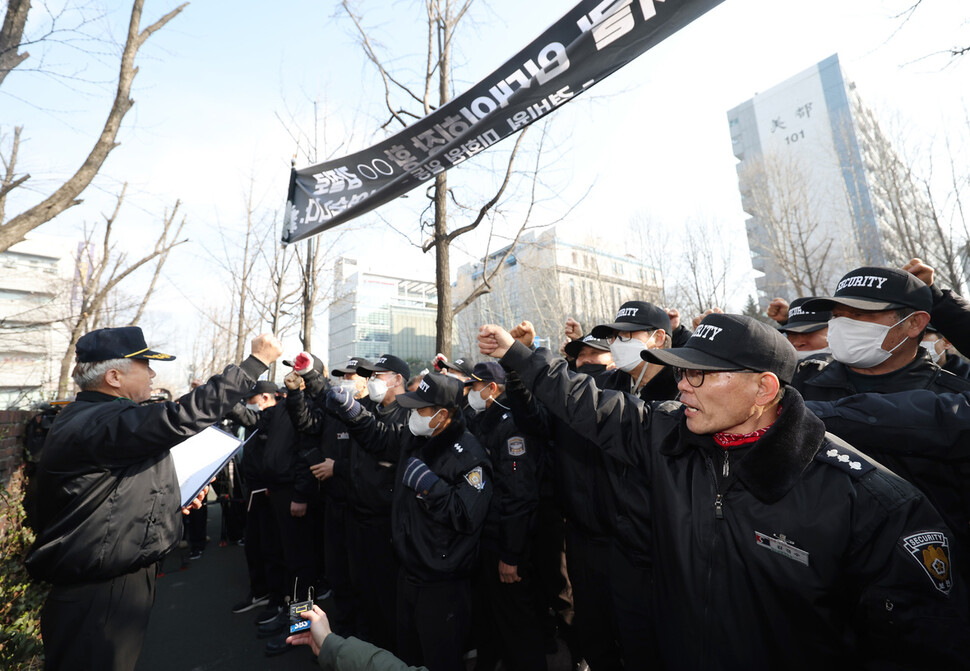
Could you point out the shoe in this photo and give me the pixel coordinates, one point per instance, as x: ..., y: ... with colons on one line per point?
x: 277, y: 625
x: 277, y: 646
x: 267, y: 614
x: 195, y: 554
x: 250, y: 602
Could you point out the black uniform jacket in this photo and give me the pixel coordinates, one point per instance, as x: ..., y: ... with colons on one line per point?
x: 945, y: 482
x: 579, y: 476
x: 436, y: 537
x: 107, y: 495
x: 515, y: 457
x: 808, y: 556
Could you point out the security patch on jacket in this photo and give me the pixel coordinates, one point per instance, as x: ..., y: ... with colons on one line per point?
x: 343, y: 435
x: 517, y: 446
x: 778, y: 543
x: 931, y: 550
x: 476, y: 478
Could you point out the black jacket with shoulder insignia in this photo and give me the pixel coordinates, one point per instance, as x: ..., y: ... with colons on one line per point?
x: 812, y: 556
x: 946, y: 483
x: 436, y: 536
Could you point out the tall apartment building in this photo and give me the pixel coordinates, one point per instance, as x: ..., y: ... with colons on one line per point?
x: 815, y: 176
x: 36, y: 283
x: 548, y: 277
x: 375, y: 313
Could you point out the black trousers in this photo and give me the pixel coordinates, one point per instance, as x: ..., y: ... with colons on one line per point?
x: 632, y: 606
x: 296, y: 543
x: 588, y: 565
x: 508, y: 622
x: 264, y: 557
x: 342, y: 618
x: 98, y: 626
x: 433, y: 622
x: 373, y: 575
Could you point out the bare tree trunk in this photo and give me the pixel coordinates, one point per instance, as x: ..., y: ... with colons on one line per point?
x: 11, y: 37
x: 442, y: 265
x: 66, y: 195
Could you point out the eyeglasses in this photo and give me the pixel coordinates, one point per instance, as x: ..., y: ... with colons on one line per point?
x: 618, y: 336
x: 695, y: 378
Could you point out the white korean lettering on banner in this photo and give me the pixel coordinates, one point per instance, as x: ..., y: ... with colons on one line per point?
x: 335, y: 181
x: 612, y: 19
x: 551, y: 62
x: 533, y: 112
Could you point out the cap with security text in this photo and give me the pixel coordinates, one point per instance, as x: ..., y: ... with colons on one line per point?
x: 125, y: 342
x: 387, y: 362
x: 435, y: 389
x: 461, y: 365
x: 574, y: 347
x: 874, y: 288
x: 729, y: 342
x: 801, y: 320
x: 351, y: 365
x: 634, y: 316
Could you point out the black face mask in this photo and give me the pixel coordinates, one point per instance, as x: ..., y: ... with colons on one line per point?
x: 591, y: 368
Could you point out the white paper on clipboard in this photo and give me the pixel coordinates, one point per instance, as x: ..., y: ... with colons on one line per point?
x: 199, y: 458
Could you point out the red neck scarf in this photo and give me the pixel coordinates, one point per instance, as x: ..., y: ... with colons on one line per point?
x: 727, y: 440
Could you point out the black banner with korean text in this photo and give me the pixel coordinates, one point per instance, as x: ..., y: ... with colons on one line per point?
x: 593, y: 40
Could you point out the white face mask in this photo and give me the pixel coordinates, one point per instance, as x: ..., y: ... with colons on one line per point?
x: 253, y: 406
x: 349, y: 385
x: 376, y: 389
x: 930, y: 346
x: 812, y: 353
x: 419, y: 424
x: 626, y: 355
x: 859, y: 344
x: 475, y: 400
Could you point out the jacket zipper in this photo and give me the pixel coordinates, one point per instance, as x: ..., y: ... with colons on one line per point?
x: 718, y: 514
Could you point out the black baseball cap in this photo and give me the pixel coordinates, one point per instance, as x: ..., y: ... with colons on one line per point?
x: 460, y: 365
x: 387, y: 362
x: 730, y: 342
x: 574, y: 347
x: 487, y: 371
x: 125, y: 342
x: 801, y: 320
x: 874, y: 288
x: 317, y: 363
x: 434, y: 389
x: 263, y: 387
x: 634, y: 316
x: 350, y: 366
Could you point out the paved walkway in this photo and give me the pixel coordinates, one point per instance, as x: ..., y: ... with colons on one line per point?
x: 193, y: 628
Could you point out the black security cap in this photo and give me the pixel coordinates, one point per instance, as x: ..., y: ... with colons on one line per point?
x: 387, y: 362
x: 351, y: 365
x: 635, y: 316
x: 461, y: 365
x: 263, y: 387
x: 126, y: 342
x: 487, y: 371
x: 574, y: 347
x: 731, y: 342
x: 874, y: 288
x: 435, y: 389
x: 801, y: 320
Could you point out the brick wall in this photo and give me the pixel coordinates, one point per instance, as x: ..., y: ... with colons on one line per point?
x: 11, y: 442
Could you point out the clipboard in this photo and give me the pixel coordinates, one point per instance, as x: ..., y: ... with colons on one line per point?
x: 200, y: 457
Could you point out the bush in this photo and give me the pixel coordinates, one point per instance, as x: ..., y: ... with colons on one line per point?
x: 20, y: 597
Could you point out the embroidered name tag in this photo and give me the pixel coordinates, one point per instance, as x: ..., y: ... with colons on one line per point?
x: 782, y: 546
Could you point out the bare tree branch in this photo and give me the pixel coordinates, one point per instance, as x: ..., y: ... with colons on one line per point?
x: 66, y: 195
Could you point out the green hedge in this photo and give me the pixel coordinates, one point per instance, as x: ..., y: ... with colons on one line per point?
x: 20, y: 598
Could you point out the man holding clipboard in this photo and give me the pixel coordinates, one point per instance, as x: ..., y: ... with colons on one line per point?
x: 107, y: 501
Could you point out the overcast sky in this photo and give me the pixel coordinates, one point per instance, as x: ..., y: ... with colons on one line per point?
x: 653, y: 140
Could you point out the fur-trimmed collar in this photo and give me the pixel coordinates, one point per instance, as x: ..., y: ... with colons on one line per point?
x: 771, y: 466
